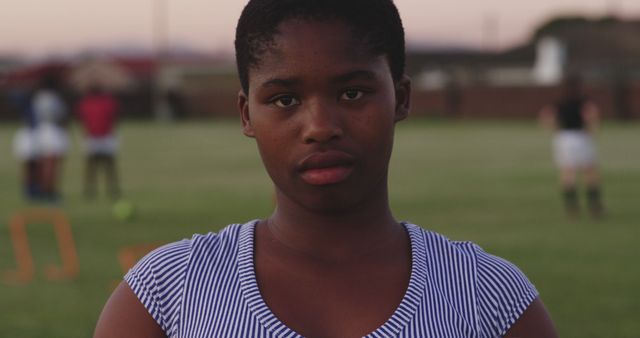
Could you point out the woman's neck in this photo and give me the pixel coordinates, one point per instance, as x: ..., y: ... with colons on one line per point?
x: 334, y: 235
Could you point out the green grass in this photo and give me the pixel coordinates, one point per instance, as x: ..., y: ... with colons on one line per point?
x: 489, y: 182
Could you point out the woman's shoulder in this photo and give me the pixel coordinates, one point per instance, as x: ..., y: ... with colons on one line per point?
x: 439, y: 248
x: 176, y: 255
x: 442, y: 250
x: 501, y: 291
x: 159, y: 279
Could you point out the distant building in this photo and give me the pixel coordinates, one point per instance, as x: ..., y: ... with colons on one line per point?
x: 551, y: 60
x: 188, y: 86
x: 7, y: 64
x: 601, y: 50
x: 516, y: 82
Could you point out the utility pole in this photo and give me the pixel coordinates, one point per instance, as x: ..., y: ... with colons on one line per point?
x: 490, y: 32
x: 160, y: 28
x: 614, y: 8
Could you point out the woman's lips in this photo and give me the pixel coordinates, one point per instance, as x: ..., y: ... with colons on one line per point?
x: 324, y: 168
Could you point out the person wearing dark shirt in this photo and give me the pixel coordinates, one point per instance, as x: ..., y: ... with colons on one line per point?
x: 574, y: 118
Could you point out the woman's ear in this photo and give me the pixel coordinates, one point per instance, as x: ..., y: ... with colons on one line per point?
x: 403, y: 98
x: 243, y: 107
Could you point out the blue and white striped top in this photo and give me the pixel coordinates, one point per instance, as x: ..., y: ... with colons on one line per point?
x: 206, y: 287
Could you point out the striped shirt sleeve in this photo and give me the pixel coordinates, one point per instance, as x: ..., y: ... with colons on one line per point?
x: 504, y: 293
x: 158, y: 280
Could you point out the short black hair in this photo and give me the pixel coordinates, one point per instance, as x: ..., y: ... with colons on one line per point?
x: 376, y: 23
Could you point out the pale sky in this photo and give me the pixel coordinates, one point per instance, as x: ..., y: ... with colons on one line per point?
x: 39, y: 27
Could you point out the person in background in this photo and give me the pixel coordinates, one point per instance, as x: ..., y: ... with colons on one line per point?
x: 50, y: 114
x: 25, y: 145
x: 574, y: 119
x: 98, y: 113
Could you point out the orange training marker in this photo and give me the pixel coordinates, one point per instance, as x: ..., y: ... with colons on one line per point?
x: 24, y: 261
x: 128, y: 256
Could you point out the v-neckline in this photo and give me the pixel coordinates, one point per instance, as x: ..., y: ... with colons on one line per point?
x: 258, y: 307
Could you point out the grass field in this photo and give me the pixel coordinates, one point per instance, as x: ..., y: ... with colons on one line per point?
x: 489, y: 182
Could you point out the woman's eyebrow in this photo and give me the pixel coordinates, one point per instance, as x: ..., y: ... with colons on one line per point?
x: 342, y: 78
x: 281, y: 82
x: 354, y: 75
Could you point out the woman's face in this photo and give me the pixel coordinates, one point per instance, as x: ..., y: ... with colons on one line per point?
x: 322, y: 109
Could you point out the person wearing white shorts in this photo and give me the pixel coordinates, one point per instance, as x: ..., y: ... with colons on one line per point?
x: 26, y: 149
x: 574, y: 149
x: 104, y: 145
x: 574, y: 120
x: 52, y: 140
x: 51, y: 137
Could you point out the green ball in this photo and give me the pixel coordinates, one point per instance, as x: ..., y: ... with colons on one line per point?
x: 123, y: 210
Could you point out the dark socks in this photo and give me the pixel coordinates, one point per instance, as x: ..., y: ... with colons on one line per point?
x: 570, y: 197
x: 594, y: 201
x: 107, y: 164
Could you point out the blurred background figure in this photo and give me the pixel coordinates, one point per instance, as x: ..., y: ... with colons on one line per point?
x: 574, y: 118
x: 50, y: 115
x: 25, y: 146
x: 98, y: 113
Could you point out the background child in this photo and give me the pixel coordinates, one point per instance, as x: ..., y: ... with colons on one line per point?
x: 574, y: 118
x: 50, y: 111
x: 98, y: 112
x: 26, y: 148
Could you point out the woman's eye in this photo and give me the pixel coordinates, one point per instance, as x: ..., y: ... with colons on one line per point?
x: 352, y: 94
x: 286, y: 101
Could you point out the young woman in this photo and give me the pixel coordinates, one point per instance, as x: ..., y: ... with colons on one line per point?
x: 322, y: 90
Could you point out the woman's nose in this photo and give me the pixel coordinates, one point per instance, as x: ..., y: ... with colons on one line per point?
x: 322, y: 123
